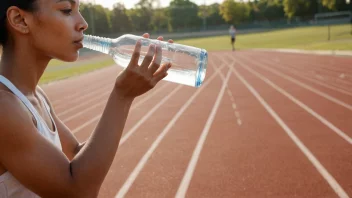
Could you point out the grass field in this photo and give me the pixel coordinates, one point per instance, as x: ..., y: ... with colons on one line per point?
x: 77, y: 69
x: 308, y: 38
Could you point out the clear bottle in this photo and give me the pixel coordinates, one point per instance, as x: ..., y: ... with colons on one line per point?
x: 189, y: 63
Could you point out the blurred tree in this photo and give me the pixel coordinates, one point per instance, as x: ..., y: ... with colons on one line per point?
x: 98, y: 15
x: 235, y: 12
x: 215, y: 17
x: 271, y: 9
x: 184, y: 14
x: 336, y: 5
x: 160, y: 20
x: 141, y: 15
x: 211, y: 14
x: 329, y: 3
x: 120, y: 21
x: 298, y: 7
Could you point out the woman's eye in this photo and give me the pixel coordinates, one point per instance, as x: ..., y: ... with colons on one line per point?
x: 67, y: 11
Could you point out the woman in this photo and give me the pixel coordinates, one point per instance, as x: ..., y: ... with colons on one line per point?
x: 39, y: 157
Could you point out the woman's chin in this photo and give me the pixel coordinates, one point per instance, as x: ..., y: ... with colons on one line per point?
x: 69, y: 57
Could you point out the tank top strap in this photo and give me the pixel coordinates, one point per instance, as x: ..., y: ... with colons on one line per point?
x: 23, y: 98
x: 48, y: 109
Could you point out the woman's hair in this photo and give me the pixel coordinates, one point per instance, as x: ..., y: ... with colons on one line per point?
x: 27, y: 5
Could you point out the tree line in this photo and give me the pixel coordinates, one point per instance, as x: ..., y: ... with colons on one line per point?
x: 181, y: 15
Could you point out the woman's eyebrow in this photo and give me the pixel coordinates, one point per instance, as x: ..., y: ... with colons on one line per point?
x: 71, y: 1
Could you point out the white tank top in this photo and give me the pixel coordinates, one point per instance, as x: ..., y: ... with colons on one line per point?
x: 9, y: 186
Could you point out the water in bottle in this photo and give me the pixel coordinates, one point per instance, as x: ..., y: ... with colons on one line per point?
x: 189, y: 63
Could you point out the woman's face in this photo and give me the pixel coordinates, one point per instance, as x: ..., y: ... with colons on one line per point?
x: 56, y: 29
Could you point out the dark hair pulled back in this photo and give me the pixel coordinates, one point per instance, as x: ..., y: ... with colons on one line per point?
x: 27, y: 5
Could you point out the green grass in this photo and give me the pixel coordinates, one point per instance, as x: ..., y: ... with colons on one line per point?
x: 75, y: 70
x: 55, y: 63
x: 307, y: 38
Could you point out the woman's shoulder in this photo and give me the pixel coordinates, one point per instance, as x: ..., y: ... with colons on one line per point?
x: 15, y: 120
x: 6, y: 96
x: 11, y: 107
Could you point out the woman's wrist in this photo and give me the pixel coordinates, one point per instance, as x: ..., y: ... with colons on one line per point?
x: 121, y: 96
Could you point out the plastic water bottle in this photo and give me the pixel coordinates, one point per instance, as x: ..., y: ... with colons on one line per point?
x: 189, y: 64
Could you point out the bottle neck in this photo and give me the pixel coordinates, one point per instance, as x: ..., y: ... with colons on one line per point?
x: 97, y: 43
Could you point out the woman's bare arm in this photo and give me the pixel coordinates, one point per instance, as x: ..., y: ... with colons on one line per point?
x: 41, y: 167
x: 70, y: 145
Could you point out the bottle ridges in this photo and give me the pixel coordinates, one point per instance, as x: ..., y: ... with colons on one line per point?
x: 97, y: 43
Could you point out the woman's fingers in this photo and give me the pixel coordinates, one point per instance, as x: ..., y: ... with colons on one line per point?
x: 148, y: 57
x: 146, y: 35
x: 153, y: 59
x: 160, y: 38
x: 137, y: 80
x: 161, y: 73
x: 135, y: 55
x: 156, y: 61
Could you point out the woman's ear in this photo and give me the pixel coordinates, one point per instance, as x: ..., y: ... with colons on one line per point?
x: 16, y: 20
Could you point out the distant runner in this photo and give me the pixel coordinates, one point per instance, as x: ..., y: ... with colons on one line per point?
x: 232, y: 32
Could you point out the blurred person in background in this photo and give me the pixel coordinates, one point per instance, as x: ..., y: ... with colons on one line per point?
x: 232, y: 32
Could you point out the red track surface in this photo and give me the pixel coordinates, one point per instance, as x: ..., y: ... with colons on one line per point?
x: 267, y: 125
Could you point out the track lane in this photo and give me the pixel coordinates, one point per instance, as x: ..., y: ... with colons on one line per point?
x: 343, y: 94
x: 337, y: 114
x: 156, y: 175
x: 329, y: 149
x: 324, y: 71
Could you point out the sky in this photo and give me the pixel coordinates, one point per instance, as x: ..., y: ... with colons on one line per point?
x: 131, y: 3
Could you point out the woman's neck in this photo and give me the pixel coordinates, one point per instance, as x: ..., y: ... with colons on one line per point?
x: 23, y: 67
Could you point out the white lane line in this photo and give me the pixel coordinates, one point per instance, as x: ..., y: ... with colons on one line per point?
x: 96, y: 118
x: 229, y: 92
x: 302, y: 75
x: 301, y: 104
x: 101, y: 96
x: 84, y: 111
x: 182, y: 190
x: 237, y: 114
x: 234, y: 107
x: 231, y: 97
x: 148, y: 115
x: 324, y: 95
x: 134, y: 174
x: 69, y: 94
x: 94, y: 106
x: 239, y: 122
x: 322, y: 73
x: 321, y: 169
x: 314, y: 65
x: 80, y: 98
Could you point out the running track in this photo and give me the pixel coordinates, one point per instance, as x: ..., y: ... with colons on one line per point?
x: 264, y: 124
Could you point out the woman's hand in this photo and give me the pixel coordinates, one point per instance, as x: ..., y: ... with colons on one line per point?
x: 136, y: 79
